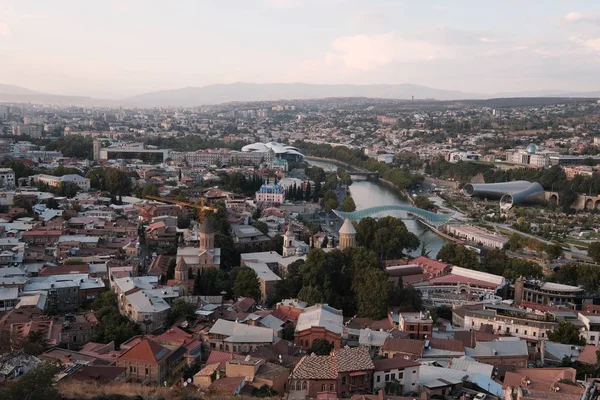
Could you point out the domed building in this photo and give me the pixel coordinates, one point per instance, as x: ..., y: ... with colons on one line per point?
x: 206, y: 255
x: 347, y: 235
x: 531, y: 149
x: 278, y: 149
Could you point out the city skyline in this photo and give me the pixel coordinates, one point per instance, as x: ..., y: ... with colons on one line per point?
x: 123, y: 48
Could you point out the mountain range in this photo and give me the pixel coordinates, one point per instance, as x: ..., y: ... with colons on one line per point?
x: 222, y: 93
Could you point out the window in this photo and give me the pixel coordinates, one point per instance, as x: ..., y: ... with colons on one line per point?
x: 343, y: 380
x: 387, y: 377
x: 525, y: 332
x: 517, y: 330
x: 543, y: 334
x: 400, y: 375
x: 534, y: 333
x: 323, y: 388
x: 425, y: 328
x: 147, y: 371
x: 393, y: 376
x: 332, y: 388
x: 592, y: 338
x: 378, y: 378
x: 412, y: 327
x: 303, y: 385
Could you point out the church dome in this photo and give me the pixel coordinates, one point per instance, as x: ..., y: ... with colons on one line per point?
x: 531, y: 149
x: 347, y: 228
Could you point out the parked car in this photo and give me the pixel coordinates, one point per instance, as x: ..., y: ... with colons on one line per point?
x: 479, y: 396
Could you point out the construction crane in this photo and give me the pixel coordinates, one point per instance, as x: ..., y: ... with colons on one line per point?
x: 202, y: 207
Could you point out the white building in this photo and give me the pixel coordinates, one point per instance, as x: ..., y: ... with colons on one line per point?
x: 7, y: 177
x: 270, y: 193
x: 56, y: 181
x: 406, y: 372
x: 477, y: 236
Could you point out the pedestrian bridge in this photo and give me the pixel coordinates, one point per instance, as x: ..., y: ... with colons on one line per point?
x: 432, y: 218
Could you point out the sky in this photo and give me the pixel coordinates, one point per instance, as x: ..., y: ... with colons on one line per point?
x: 119, y: 48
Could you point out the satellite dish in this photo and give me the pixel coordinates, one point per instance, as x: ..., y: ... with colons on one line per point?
x: 189, y: 380
x: 185, y: 384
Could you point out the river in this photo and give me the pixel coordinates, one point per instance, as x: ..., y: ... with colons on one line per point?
x: 371, y: 194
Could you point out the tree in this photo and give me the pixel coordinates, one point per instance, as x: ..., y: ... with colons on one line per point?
x: 424, y: 203
x: 246, y: 284
x: 35, y: 343
x: 117, y: 182
x: 261, y: 226
x: 443, y: 312
x: 594, y: 251
x: 372, y: 290
x: 455, y: 254
x: 264, y: 391
x: 329, y: 201
x: 37, y: 384
x: 348, y: 204
x: 181, y: 309
x: 171, y: 268
x: 553, y: 251
x: 387, y: 236
x: 68, y: 189
x: 394, y: 388
x: 52, y: 203
x: 112, y: 325
x: 406, y: 297
x: 149, y: 189
x: 321, y: 347
x: 289, y: 330
x: 310, y: 295
x: 566, y: 333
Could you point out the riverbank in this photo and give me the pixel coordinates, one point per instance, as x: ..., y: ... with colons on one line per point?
x: 367, y: 194
x: 401, y: 192
x: 332, y: 161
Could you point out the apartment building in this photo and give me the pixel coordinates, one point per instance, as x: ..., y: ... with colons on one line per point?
x: 56, y: 181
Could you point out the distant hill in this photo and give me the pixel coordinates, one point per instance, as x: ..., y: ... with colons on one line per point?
x: 15, y: 90
x: 247, y: 92
x: 222, y: 93
x: 17, y: 94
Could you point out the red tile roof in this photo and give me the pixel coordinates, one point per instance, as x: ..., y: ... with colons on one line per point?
x: 146, y: 350
x: 588, y: 355
x: 447, y: 344
x: 64, y: 269
x: 226, y: 385
x: 220, y: 357
x: 455, y: 279
x: 175, y: 334
x: 396, y: 362
x: 244, y: 304
x: 347, y: 359
x: 430, y: 265
x: 98, y: 373
x: 409, y: 346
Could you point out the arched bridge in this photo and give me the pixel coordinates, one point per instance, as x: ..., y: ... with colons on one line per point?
x: 427, y: 216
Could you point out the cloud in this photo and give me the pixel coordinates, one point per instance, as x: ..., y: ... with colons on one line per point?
x: 120, y: 7
x: 283, y: 3
x: 5, y: 30
x: 575, y: 17
x: 371, y: 52
x: 589, y: 44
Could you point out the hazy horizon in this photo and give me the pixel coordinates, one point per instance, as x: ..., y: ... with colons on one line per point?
x: 121, y: 48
